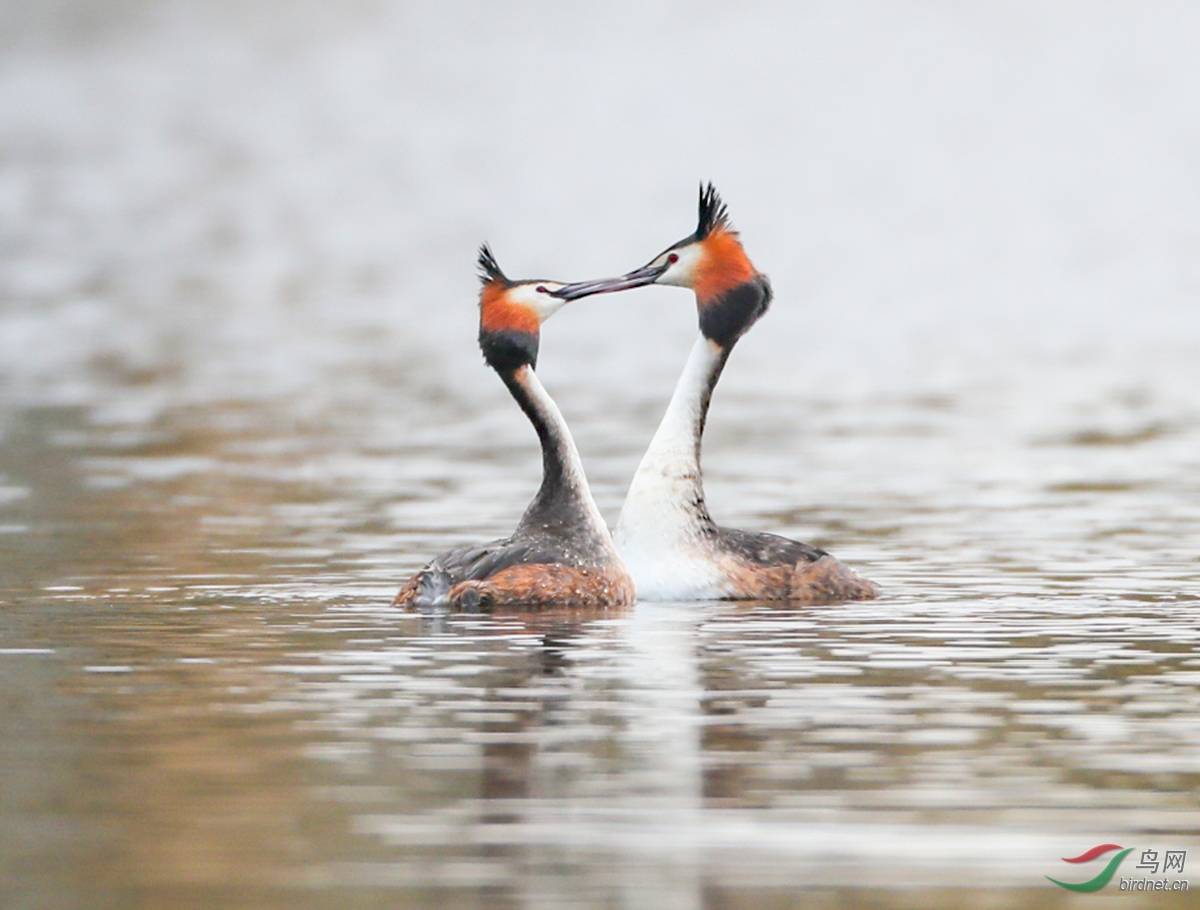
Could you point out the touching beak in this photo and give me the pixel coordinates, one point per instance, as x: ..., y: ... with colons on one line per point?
x: 645, y: 275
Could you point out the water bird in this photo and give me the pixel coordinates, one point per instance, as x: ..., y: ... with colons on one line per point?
x: 671, y: 545
x: 561, y: 553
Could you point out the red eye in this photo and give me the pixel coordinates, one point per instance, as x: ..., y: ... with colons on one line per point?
x: 673, y: 258
x: 541, y: 289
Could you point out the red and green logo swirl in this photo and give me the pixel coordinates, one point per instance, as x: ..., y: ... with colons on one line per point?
x: 1105, y: 876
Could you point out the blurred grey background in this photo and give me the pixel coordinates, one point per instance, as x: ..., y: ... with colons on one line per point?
x: 202, y: 201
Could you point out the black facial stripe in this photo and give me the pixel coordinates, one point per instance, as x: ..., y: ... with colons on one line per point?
x: 508, y: 349
x: 725, y: 319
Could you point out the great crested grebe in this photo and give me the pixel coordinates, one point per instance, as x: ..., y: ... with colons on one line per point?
x: 672, y: 547
x: 562, y: 552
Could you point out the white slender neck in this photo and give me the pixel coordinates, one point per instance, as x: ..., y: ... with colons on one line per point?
x: 564, y: 501
x: 666, y: 498
x: 675, y: 447
x: 664, y: 533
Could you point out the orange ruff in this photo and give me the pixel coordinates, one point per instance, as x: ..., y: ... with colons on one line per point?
x: 723, y: 266
x: 546, y: 584
x: 499, y: 314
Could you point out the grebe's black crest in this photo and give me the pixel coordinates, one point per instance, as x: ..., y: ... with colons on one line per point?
x: 713, y: 213
x: 489, y: 268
